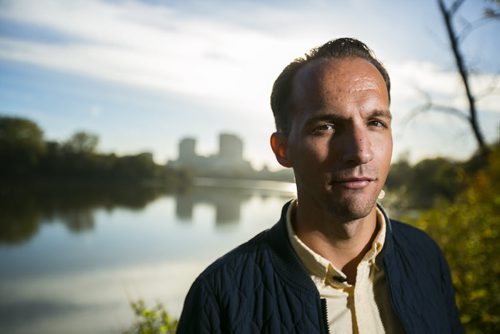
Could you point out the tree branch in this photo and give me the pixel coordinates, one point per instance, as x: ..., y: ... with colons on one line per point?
x: 455, y: 6
x: 469, y: 27
x: 490, y: 89
x: 464, y: 75
x: 428, y: 105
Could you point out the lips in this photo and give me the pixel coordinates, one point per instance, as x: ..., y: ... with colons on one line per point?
x: 353, y: 182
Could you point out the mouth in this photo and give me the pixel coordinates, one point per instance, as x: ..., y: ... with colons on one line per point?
x: 353, y: 182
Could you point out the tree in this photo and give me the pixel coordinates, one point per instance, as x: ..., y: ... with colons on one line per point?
x: 448, y: 14
x: 21, y: 145
x: 434, y: 179
x: 82, y: 142
x: 455, y: 38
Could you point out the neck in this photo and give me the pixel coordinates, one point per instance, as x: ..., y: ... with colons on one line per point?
x: 343, y: 243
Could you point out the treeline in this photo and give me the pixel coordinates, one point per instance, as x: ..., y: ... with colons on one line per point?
x: 27, y: 158
x: 429, y: 181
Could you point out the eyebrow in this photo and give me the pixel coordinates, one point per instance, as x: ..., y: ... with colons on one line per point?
x: 380, y: 113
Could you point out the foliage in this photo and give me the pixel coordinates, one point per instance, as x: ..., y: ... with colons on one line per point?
x: 26, y: 157
x: 439, y: 177
x: 82, y: 142
x: 429, y: 181
x: 21, y: 145
x: 151, y: 321
x: 468, y: 231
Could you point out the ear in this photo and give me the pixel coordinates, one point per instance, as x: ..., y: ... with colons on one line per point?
x: 278, y: 144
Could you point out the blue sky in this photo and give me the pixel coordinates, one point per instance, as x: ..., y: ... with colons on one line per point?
x: 144, y: 74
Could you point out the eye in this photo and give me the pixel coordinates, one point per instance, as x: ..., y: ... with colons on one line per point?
x: 324, y: 128
x: 378, y: 124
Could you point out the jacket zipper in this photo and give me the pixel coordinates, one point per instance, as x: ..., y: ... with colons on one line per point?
x: 325, y: 314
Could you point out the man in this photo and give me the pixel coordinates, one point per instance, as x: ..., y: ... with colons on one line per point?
x: 334, y: 263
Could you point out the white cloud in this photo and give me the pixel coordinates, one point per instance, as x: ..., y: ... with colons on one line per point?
x: 410, y: 79
x: 152, y: 47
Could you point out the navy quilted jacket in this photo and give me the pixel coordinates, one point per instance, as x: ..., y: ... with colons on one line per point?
x: 262, y: 287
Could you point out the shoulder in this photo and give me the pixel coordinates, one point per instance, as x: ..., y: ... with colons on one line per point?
x: 246, y: 265
x: 220, y: 287
x: 417, y: 267
x: 405, y: 235
x: 237, y: 266
x: 415, y: 248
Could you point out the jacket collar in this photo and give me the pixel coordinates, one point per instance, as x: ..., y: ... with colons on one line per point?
x: 288, y: 263
x: 389, y: 242
x: 284, y: 259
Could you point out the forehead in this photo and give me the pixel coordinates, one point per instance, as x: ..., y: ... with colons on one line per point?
x: 330, y: 78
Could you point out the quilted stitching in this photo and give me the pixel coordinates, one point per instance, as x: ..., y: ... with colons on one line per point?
x: 260, y: 287
x: 252, y: 298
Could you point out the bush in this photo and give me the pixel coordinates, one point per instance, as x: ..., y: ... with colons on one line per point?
x: 151, y: 321
x: 468, y: 232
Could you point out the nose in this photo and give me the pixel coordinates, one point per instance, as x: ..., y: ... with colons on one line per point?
x: 357, y: 146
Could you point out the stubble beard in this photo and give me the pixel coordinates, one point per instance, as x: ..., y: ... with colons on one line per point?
x: 349, y: 210
x: 350, y: 205
x: 343, y: 206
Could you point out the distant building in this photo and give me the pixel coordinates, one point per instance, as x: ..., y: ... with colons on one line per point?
x: 228, y: 161
x: 187, y: 150
x: 230, y: 147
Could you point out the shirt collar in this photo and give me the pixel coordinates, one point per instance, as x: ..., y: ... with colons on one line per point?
x: 316, y: 264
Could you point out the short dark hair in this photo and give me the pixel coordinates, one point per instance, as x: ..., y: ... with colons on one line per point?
x: 337, y: 48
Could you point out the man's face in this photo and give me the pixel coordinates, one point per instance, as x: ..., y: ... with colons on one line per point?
x: 340, y: 140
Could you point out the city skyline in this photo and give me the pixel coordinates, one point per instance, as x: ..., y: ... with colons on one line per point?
x: 228, y: 159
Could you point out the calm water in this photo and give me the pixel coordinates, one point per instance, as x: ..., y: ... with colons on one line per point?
x: 71, y: 262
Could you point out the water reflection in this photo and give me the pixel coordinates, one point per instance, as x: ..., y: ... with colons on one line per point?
x: 227, y: 203
x: 22, y: 213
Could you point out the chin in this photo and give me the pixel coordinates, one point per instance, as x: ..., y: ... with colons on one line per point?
x: 349, y: 209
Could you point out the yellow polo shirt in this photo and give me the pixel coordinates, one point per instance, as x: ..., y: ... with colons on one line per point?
x: 364, y: 307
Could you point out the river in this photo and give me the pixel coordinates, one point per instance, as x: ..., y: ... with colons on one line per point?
x: 71, y: 262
